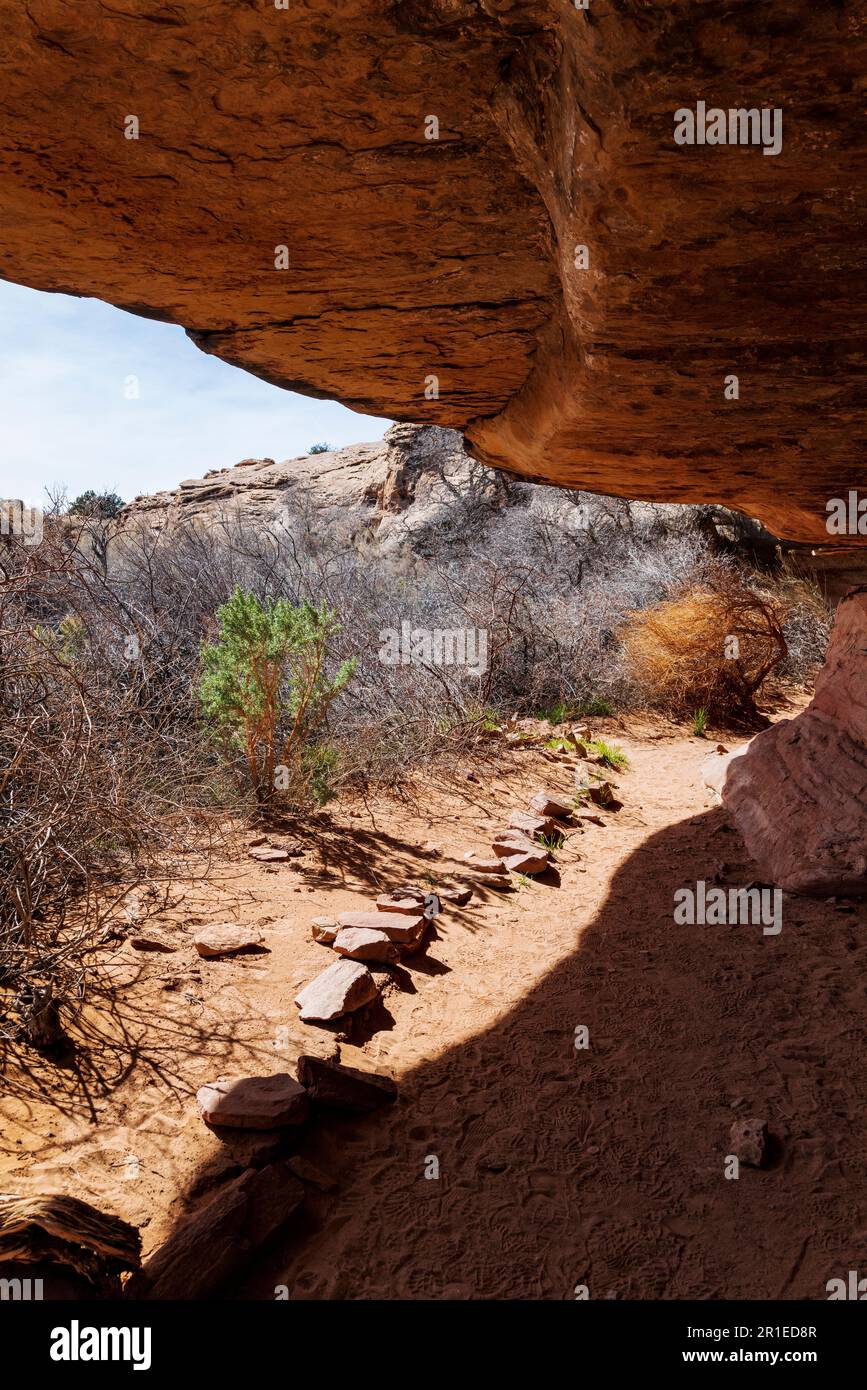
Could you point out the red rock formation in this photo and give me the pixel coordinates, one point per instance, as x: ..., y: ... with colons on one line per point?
x: 409, y: 258
x: 799, y: 792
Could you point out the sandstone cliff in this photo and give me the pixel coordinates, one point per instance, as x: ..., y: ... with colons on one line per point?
x: 417, y: 489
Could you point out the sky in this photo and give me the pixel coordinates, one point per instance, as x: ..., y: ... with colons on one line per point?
x: 69, y: 414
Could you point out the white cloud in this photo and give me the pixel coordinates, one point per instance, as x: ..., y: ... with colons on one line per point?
x: 64, y: 417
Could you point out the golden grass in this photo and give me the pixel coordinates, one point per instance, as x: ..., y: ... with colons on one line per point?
x: 709, y: 647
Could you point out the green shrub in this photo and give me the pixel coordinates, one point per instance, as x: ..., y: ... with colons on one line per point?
x: 595, y: 705
x: 265, y: 690
x: 608, y: 754
x: 96, y: 504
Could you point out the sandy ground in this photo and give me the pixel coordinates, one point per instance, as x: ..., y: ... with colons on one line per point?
x: 557, y: 1167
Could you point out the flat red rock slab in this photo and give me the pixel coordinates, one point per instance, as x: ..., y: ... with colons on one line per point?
x: 224, y: 939
x: 395, y: 902
x: 535, y: 862
x: 459, y: 896
x: 205, y: 1250
x: 484, y: 863
x: 345, y: 986
x: 512, y: 842
x: 532, y: 824
x: 253, y: 1102
x: 396, y: 926
x: 548, y: 804
x: 362, y: 943
x: 344, y: 1088
x: 498, y: 881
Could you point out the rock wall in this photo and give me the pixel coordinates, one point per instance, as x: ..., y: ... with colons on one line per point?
x: 269, y: 178
x: 417, y: 491
x: 799, y: 791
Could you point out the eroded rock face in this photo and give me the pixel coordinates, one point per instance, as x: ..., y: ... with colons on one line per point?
x: 799, y: 791
x: 409, y: 258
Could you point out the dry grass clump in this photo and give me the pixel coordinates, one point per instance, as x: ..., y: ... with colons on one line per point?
x: 709, y: 646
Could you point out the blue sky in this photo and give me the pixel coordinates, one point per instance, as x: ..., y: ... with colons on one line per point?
x: 65, y: 415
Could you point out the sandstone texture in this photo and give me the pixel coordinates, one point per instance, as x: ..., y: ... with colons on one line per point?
x: 207, y: 1248
x: 548, y: 806
x: 362, y: 943
x: 225, y: 939
x: 798, y: 792
x: 345, y: 986
x: 323, y: 930
x: 253, y: 1102
x: 284, y: 201
x: 531, y: 824
x: 396, y: 926
x: 344, y: 1088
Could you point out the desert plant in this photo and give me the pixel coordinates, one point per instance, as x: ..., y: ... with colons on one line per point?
x: 265, y: 689
x: 607, y: 754
x: 596, y: 705
x: 709, y: 646
x: 699, y: 722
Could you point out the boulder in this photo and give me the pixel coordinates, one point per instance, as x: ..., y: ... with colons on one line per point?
x: 253, y: 1102
x: 345, y: 986
x: 798, y: 791
x: 363, y: 943
x: 344, y: 1088
x: 226, y: 938
x: 269, y: 856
